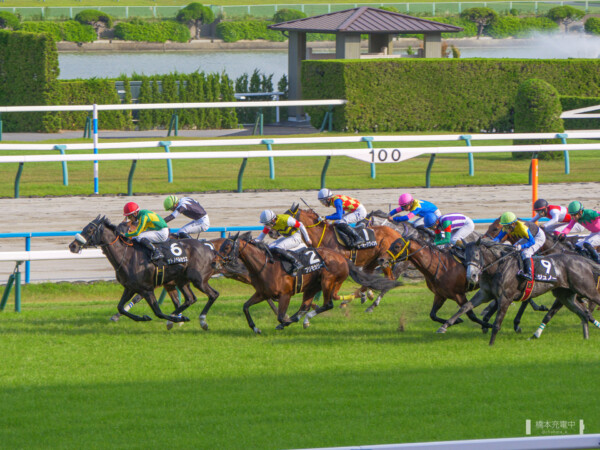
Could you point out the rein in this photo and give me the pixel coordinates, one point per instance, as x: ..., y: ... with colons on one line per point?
x: 293, y: 214
x: 512, y: 252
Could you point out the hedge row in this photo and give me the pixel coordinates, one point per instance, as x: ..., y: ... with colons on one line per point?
x: 592, y: 25
x: 510, y: 26
x: 436, y: 94
x: 62, y: 31
x: 28, y: 73
x: 572, y: 102
x: 248, y: 30
x: 138, y: 30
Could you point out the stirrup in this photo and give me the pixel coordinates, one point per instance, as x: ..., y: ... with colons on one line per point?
x: 156, y: 255
x: 525, y: 275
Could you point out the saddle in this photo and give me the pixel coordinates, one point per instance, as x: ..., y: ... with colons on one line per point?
x: 543, y: 269
x: 309, y: 257
x: 367, y: 234
x: 172, y: 251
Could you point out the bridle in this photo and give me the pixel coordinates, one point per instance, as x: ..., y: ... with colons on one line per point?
x: 234, y: 253
x: 316, y: 224
x: 94, y: 240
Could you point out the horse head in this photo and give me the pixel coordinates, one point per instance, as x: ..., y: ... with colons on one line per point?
x: 398, y: 251
x: 293, y: 209
x: 90, y: 236
x: 229, y: 250
x: 474, y: 259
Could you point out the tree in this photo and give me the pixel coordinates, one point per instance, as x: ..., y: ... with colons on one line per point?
x: 9, y: 20
x: 196, y: 14
x: 565, y: 15
x: 96, y: 19
x: 285, y: 15
x: 479, y: 16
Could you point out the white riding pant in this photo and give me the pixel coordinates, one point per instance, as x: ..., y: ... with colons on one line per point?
x: 355, y: 216
x: 558, y: 227
x: 154, y: 236
x: 540, y: 238
x: 463, y: 232
x: 292, y: 243
x: 196, y: 226
x: 593, y: 239
x: 419, y: 220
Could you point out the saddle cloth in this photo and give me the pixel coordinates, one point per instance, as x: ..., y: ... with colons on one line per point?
x: 173, y: 252
x: 310, y: 259
x: 367, y: 234
x: 544, y: 270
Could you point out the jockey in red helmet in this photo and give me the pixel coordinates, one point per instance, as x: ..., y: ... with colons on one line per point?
x: 150, y: 228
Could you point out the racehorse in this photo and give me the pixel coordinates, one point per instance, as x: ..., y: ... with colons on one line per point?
x: 444, y: 274
x: 139, y: 275
x: 495, y: 266
x: 322, y: 235
x: 270, y: 280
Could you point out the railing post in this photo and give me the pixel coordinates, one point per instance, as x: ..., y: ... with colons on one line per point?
x: 533, y: 156
x: 563, y: 138
x: 61, y: 149
x: 130, y: 178
x: 258, y: 123
x: 467, y: 139
x: 9, y: 283
x: 369, y: 141
x: 327, y: 118
x: 174, y: 123
x: 324, y: 171
x: 95, y: 126
x: 18, y: 288
x: 166, y: 145
x: 18, y: 179
x: 241, y: 174
x: 27, y: 263
x: 87, y: 129
x: 428, y: 173
x: 0, y: 127
x: 268, y: 143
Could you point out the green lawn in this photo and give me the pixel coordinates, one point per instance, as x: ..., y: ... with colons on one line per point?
x: 290, y: 173
x: 70, y: 378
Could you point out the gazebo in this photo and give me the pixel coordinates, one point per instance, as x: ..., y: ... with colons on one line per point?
x: 348, y: 25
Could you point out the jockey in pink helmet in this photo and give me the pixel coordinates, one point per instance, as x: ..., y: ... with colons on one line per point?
x: 414, y: 208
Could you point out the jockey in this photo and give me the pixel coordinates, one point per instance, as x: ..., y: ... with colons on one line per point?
x: 455, y: 227
x: 151, y: 228
x: 414, y: 207
x: 347, y: 210
x: 290, y: 239
x: 558, y: 215
x: 589, y: 219
x: 529, y: 242
x: 189, y: 208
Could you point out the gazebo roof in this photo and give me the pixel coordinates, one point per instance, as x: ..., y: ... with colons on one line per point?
x: 365, y: 20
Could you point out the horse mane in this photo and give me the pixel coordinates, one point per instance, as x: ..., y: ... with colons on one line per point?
x: 497, y: 249
x: 378, y: 213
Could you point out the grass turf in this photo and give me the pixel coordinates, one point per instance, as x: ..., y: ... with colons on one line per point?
x: 70, y: 378
x: 291, y: 173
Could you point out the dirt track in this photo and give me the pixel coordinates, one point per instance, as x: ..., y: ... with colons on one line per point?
x: 232, y: 209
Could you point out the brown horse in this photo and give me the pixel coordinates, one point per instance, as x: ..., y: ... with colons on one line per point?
x: 271, y: 281
x: 445, y: 276
x: 322, y: 235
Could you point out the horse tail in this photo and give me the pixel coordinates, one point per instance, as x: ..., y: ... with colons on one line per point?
x: 371, y: 281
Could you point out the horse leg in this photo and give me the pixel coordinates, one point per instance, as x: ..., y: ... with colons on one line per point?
x: 556, y: 306
x: 134, y: 301
x: 307, y: 298
x: 461, y: 299
x: 256, y: 298
x: 212, y: 295
x: 153, y: 303
x: 284, y: 302
x: 489, y: 310
x: 517, y: 320
x: 537, y: 307
x: 127, y: 294
x: 175, y: 299
x: 438, y: 302
x: 330, y: 287
x: 477, y: 300
x: 503, y: 307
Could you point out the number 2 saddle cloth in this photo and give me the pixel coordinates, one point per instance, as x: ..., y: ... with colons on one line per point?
x: 309, y: 257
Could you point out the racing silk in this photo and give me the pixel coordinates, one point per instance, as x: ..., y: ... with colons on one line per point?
x: 285, y: 225
x: 189, y: 208
x: 521, y: 231
x: 147, y: 221
x: 556, y: 214
x: 590, y: 219
x: 418, y: 208
x: 446, y: 225
x: 343, y: 204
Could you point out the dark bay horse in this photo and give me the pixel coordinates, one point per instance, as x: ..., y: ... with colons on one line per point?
x: 322, y: 235
x: 270, y: 280
x: 495, y: 267
x: 445, y: 276
x: 139, y: 275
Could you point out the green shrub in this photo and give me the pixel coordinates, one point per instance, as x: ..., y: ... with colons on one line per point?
x: 285, y: 15
x: 9, y: 20
x: 592, y: 25
x: 51, y: 28
x: 573, y: 102
x: 389, y: 8
x: 537, y: 110
x: 94, y: 18
x: 139, y: 30
x: 565, y: 15
x: 469, y: 28
x: 248, y: 30
x: 73, y: 31
x: 196, y: 14
x: 412, y: 94
x: 510, y: 26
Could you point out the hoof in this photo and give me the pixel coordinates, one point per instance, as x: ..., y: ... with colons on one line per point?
x: 146, y: 318
x: 256, y: 330
x: 116, y: 317
x: 370, y: 294
x: 369, y: 309
x: 203, y: 323
x: 441, y: 330
x: 279, y: 327
x: 363, y: 298
x: 518, y: 330
x: 543, y: 308
x: 484, y: 330
x: 343, y: 304
x: 306, y: 325
x: 169, y: 324
x: 532, y: 338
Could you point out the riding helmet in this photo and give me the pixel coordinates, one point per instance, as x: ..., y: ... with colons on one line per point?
x: 170, y: 202
x: 574, y: 207
x: 429, y: 220
x: 540, y: 203
x: 130, y: 208
x: 405, y: 199
x: 507, y: 218
x: 324, y: 193
x: 267, y: 217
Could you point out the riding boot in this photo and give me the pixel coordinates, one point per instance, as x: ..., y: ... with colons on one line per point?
x: 289, y: 257
x: 156, y: 253
x: 351, y: 233
x: 526, y: 272
x: 592, y: 251
x: 183, y: 235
